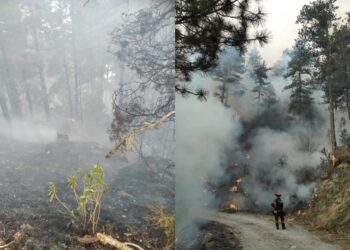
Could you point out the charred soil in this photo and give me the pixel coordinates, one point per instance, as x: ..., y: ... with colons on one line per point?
x: 27, y: 169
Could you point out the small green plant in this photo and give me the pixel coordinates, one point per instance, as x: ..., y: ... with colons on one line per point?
x: 164, y: 221
x: 88, y: 190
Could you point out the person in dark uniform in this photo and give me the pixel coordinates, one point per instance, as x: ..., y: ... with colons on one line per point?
x: 277, y: 206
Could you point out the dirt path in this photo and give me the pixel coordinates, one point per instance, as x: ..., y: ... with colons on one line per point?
x: 257, y: 232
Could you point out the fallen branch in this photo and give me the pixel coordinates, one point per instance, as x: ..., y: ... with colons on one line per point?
x: 108, y: 240
x: 7, y: 245
x: 87, y: 239
x: 18, y: 236
x: 128, y: 141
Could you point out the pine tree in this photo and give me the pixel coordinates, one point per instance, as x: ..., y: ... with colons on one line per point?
x: 299, y: 71
x: 340, y: 42
x: 317, y: 20
x: 229, y: 72
x: 265, y: 93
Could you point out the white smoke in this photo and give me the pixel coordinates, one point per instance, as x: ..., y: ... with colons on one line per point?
x: 26, y: 131
x: 267, y: 176
x: 203, y: 131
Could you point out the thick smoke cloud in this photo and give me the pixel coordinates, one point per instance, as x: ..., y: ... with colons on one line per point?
x: 212, y: 139
x: 203, y: 131
x: 268, y: 175
x: 273, y: 137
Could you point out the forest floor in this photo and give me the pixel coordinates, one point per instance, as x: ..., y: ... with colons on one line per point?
x: 26, y: 169
x: 258, y: 232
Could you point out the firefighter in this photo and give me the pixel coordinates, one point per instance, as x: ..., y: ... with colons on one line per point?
x: 278, y: 212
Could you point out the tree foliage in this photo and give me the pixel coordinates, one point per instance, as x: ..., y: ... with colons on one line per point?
x: 299, y: 70
x: 145, y: 45
x: 263, y: 90
x: 204, y: 26
x: 229, y: 71
x: 340, y: 42
x: 316, y: 20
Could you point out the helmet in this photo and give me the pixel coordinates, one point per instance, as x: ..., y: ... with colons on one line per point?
x: 278, y: 194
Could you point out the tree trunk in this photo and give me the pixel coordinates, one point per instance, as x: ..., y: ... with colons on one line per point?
x: 42, y: 76
x: 300, y: 108
x: 27, y: 91
x: 4, y: 107
x: 11, y: 88
x: 75, y: 63
x: 348, y: 103
x: 331, y: 117
x: 29, y: 100
x: 66, y: 74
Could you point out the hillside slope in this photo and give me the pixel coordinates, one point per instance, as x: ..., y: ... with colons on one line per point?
x: 330, y: 205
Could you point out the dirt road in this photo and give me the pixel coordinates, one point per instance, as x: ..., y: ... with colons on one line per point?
x: 257, y: 232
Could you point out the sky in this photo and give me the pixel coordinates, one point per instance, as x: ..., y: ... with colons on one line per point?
x: 280, y: 22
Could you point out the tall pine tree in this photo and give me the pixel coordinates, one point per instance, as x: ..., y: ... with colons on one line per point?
x: 341, y: 57
x: 264, y: 91
x: 299, y: 71
x: 317, y: 20
x: 229, y: 72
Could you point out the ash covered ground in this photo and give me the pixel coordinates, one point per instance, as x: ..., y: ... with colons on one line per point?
x: 26, y: 169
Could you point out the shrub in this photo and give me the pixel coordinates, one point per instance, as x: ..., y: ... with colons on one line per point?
x: 88, y: 190
x: 165, y: 221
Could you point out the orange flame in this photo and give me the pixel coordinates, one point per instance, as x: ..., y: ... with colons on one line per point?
x: 334, y: 160
x: 292, y: 217
x: 234, y: 189
x: 302, y: 212
x: 233, y: 206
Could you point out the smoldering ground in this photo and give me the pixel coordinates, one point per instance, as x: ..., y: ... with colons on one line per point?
x: 57, y: 80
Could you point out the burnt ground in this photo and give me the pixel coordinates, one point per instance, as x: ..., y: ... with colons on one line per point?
x: 214, y: 235
x: 27, y: 169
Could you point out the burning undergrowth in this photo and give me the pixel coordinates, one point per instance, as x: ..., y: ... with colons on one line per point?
x: 223, y: 162
x: 269, y: 160
x: 277, y: 152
